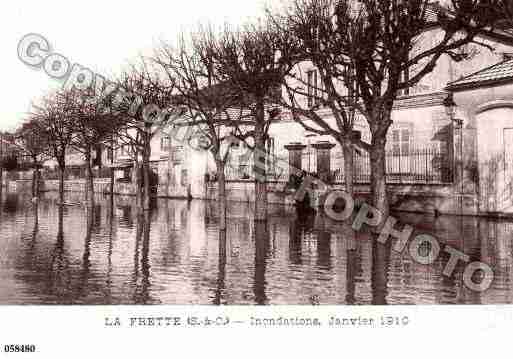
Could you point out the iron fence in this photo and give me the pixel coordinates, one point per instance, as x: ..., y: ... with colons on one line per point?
x: 418, y: 166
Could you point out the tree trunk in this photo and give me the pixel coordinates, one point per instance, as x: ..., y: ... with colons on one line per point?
x: 138, y: 184
x: 62, y: 168
x: 259, y: 165
x: 146, y: 180
x: 348, y: 167
x: 262, y: 248
x: 221, y: 194
x: 35, y: 179
x: 89, y: 181
x: 111, y: 188
x: 378, y: 176
x: 379, y: 272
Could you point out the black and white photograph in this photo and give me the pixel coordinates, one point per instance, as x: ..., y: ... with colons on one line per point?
x: 239, y: 154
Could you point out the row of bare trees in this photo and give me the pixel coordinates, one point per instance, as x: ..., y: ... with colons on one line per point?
x: 62, y: 121
x: 365, y: 53
x: 234, y: 83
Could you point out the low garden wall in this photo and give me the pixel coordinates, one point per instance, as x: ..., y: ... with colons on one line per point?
x: 100, y: 186
x: 442, y: 199
x: 433, y: 199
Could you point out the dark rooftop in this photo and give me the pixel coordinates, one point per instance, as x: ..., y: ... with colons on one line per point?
x: 501, y: 72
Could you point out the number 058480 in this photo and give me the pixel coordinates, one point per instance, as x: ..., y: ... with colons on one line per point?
x: 18, y: 348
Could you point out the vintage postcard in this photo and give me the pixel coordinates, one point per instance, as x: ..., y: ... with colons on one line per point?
x: 174, y: 174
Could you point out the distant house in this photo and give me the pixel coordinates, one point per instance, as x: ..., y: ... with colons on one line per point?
x: 75, y: 163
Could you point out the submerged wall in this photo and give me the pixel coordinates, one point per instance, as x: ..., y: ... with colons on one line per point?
x: 438, y: 199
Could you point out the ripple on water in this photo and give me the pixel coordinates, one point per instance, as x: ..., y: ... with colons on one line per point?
x: 174, y: 255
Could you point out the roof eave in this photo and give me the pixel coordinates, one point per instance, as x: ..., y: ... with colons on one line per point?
x: 478, y: 84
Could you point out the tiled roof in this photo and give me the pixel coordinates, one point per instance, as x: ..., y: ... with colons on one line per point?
x: 420, y: 100
x: 500, y: 72
x: 432, y: 12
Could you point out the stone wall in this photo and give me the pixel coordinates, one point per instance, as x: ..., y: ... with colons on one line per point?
x: 432, y: 199
x: 442, y: 199
x: 100, y: 186
x: 244, y: 191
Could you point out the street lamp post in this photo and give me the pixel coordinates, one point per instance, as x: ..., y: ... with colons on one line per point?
x: 450, y: 108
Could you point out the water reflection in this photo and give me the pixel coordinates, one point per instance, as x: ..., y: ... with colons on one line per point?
x: 175, y: 254
x: 261, y: 257
x: 380, y: 269
x: 219, y: 297
x: 351, y: 263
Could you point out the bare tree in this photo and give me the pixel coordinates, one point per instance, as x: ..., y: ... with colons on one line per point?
x: 191, y: 66
x: 54, y: 117
x: 29, y: 140
x: 381, y: 43
x: 251, y: 60
x: 154, y: 108
x: 323, y: 78
x: 92, y: 126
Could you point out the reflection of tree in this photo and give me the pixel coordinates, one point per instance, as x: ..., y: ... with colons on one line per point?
x: 91, y: 221
x: 351, y: 262
x: 35, y: 230
x: 110, y: 221
x: 30, y: 253
x: 295, y: 234
x: 380, y: 268
x: 261, y: 253
x: 11, y: 203
x: 297, y: 229
x: 142, y: 288
x: 221, y: 285
x: 59, y: 261
x: 324, y: 250
x: 126, y: 215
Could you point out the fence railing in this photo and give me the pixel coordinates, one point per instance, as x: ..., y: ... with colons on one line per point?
x: 418, y: 166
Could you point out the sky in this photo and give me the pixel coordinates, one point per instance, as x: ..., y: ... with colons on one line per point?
x: 103, y: 35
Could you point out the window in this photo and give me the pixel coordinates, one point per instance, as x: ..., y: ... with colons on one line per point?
x: 309, y: 155
x: 271, y: 155
x: 165, y: 143
x: 401, y: 140
x: 177, y: 154
x: 243, y: 161
x: 124, y: 150
x: 405, y: 77
x: 184, y: 180
x: 312, y: 87
x: 97, y: 157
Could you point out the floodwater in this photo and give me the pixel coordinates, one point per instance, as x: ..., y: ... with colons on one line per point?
x: 176, y: 255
